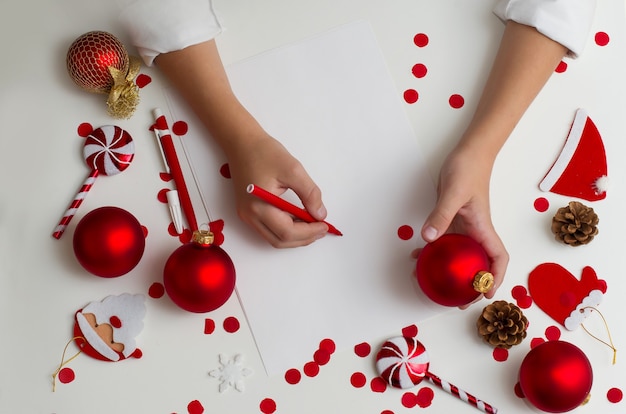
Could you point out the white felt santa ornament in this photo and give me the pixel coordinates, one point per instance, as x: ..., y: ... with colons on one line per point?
x: 106, y: 330
x: 580, y: 170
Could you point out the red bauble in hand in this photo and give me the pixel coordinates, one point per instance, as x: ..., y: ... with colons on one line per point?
x: 199, y: 276
x: 109, y: 242
x: 453, y: 270
x: 556, y: 377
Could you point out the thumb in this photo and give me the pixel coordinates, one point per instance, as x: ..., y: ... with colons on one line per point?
x: 439, y: 220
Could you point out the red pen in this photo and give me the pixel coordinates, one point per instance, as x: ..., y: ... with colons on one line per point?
x: 169, y: 151
x: 286, y: 206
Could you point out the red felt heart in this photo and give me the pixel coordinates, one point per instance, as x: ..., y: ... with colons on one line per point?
x: 563, y: 297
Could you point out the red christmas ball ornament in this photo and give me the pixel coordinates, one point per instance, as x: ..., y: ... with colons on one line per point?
x: 89, y: 58
x: 453, y: 270
x: 109, y: 242
x: 199, y: 276
x: 556, y: 377
x: 98, y: 62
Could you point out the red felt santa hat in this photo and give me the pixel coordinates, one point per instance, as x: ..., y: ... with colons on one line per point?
x: 580, y: 170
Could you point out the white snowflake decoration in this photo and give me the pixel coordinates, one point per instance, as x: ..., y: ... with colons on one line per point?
x: 231, y: 373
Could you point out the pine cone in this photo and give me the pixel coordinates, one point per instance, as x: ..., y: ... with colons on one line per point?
x: 575, y: 224
x: 502, y: 324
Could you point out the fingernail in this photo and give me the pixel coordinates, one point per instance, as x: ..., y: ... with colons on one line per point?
x: 321, y: 213
x: 430, y: 233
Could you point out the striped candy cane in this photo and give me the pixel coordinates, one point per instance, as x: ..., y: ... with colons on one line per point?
x: 78, y: 200
x: 454, y: 390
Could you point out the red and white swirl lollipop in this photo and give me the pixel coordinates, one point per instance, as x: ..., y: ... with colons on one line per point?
x: 403, y: 363
x: 108, y: 150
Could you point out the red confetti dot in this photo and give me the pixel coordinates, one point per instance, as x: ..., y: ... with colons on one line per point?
x: 420, y: 40
x: 519, y: 291
x: 525, y: 302
x: 358, y: 380
x: 602, y: 39
x: 195, y: 407
x: 321, y: 357
x: 180, y: 128
x: 162, y: 195
x: 614, y: 395
x: 311, y: 369
x: 209, y: 326
x: 156, y: 290
x: 456, y: 101
x: 377, y: 384
x: 405, y: 232
x: 500, y: 354
x: 85, y: 129
x: 409, y: 400
x: 66, y: 375
x: 143, y: 80
x: 536, y: 342
x: 561, y: 67
x: 419, y: 70
x: 231, y: 324
x: 268, y: 406
x: 553, y: 333
x: 165, y: 177
x: 411, y: 96
x: 225, y: 170
x: 410, y: 331
x: 386, y: 412
x: 518, y: 391
x: 185, y: 237
x: 541, y: 204
x: 424, y: 397
x: 144, y: 229
x: 293, y: 376
x: 362, y: 349
x: 328, y: 345
x: 137, y: 354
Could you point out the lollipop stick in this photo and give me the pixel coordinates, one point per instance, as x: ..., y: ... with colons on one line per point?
x: 468, y: 398
x: 80, y: 196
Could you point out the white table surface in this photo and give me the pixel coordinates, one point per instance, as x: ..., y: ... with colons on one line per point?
x: 41, y: 285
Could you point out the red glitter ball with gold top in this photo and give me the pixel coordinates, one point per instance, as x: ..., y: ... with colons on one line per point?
x: 89, y: 58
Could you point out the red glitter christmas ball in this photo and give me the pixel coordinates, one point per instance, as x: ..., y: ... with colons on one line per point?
x: 89, y: 58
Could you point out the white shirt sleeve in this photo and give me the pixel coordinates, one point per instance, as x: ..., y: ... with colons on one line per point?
x: 567, y: 22
x: 161, y: 26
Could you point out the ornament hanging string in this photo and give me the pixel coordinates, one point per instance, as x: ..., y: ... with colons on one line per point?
x: 65, y: 362
x: 606, y: 325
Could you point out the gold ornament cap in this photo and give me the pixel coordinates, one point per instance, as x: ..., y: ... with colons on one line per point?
x: 203, y: 237
x: 483, y: 281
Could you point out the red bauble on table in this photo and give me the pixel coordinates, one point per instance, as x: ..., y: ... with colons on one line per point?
x: 199, y: 276
x: 453, y: 270
x: 109, y: 242
x: 556, y: 377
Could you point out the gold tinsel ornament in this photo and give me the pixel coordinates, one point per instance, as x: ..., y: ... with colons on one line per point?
x: 575, y: 225
x: 502, y: 324
x: 98, y: 62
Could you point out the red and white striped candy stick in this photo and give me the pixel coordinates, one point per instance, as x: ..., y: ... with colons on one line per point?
x: 403, y: 363
x: 108, y: 150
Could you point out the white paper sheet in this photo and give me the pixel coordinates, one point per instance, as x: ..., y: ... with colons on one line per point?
x: 331, y: 101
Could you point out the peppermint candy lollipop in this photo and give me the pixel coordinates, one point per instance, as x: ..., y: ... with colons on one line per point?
x: 108, y: 150
x: 403, y: 363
